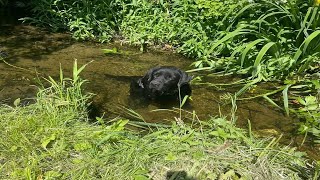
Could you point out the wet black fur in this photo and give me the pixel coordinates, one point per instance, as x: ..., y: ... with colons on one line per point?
x: 161, y: 83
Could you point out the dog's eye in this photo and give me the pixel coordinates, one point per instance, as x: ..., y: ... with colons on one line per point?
x: 169, y: 77
x: 156, y: 75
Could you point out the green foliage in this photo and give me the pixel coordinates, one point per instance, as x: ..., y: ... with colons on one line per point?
x: 309, y: 105
x: 189, y: 25
x: 37, y: 144
x: 273, y: 46
x: 85, y: 19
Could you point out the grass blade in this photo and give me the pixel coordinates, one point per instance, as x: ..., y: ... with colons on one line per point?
x: 262, y: 52
x: 230, y: 35
x: 303, y: 25
x: 314, y: 13
x: 286, y: 99
x: 305, y: 45
x: 248, y: 47
x: 271, y: 101
x: 309, y: 39
x: 250, y: 6
x: 258, y: 60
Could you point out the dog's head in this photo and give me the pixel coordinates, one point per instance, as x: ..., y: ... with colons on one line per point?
x: 163, y: 81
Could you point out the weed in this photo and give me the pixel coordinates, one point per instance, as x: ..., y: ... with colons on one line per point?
x: 65, y: 93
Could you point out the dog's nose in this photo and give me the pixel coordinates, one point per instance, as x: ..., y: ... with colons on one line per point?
x: 156, y: 85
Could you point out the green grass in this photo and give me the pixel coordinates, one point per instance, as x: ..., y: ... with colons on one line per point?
x: 55, y: 140
x: 37, y: 144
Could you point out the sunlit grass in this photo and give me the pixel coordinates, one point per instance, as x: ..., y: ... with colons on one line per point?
x: 35, y: 147
x: 38, y: 144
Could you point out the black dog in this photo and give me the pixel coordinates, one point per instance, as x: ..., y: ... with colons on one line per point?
x: 162, y: 83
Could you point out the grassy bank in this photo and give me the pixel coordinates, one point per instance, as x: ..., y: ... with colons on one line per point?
x: 54, y: 139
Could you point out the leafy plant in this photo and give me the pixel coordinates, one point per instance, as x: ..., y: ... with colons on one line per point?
x: 308, y: 107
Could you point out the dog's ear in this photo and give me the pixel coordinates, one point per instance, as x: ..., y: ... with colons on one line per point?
x: 140, y: 84
x: 184, y: 79
x: 149, y: 76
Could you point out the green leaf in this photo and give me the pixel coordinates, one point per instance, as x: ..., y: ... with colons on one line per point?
x: 17, y: 102
x: 110, y: 51
x: 219, y: 133
x: 248, y: 47
x: 310, y: 100
x: 198, y: 155
x: 315, y: 131
x: 46, y: 141
x: 13, y: 148
x: 119, y: 125
x: 309, y: 39
x: 249, y: 6
x: 285, y: 99
x: 170, y: 157
x: 82, y: 146
x: 230, y: 35
x: 303, y: 24
x: 316, y: 83
x: 305, y: 45
x: 52, y: 175
x: 229, y: 175
x: 271, y: 101
x: 140, y: 177
x: 100, y: 120
x: 301, y: 101
x: 262, y: 52
x: 185, y: 98
x: 313, y: 16
x: 312, y: 107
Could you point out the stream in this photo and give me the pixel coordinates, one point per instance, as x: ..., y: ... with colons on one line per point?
x: 34, y: 53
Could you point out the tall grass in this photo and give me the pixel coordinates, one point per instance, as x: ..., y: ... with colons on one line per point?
x: 280, y: 41
x: 65, y: 93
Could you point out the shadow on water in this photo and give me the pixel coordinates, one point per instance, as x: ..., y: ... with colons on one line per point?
x: 110, y: 76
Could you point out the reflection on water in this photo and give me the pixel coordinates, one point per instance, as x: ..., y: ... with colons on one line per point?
x: 110, y: 76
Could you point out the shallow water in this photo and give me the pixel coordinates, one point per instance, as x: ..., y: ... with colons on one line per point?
x: 37, y: 53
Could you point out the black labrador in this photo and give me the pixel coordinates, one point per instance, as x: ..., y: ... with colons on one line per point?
x: 163, y: 83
